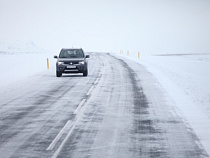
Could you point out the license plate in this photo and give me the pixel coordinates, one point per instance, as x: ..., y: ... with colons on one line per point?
x: 71, y: 66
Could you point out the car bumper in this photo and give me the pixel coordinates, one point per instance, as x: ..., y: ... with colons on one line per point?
x: 73, y: 69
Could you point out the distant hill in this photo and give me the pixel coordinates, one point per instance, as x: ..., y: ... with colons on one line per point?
x: 18, y: 46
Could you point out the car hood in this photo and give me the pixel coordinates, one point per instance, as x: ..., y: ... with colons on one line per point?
x: 70, y: 59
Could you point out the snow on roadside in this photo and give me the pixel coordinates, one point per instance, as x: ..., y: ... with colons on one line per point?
x: 16, y: 68
x: 190, y: 73
x: 185, y: 79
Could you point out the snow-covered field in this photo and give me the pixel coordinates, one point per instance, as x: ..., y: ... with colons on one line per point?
x: 17, y: 68
x: 183, y: 78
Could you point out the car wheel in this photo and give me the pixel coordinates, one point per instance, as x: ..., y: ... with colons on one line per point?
x: 58, y: 74
x: 85, y: 73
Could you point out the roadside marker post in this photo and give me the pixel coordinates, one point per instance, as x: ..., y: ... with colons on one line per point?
x: 128, y: 53
x: 48, y: 64
x: 138, y: 54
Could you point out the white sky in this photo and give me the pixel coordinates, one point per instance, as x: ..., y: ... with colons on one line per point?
x: 148, y: 26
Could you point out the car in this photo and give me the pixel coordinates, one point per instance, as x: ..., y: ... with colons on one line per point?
x: 71, y: 60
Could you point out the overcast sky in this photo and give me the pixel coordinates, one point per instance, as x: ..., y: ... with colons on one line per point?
x: 148, y: 26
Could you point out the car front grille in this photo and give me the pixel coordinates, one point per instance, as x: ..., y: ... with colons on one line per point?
x: 71, y: 62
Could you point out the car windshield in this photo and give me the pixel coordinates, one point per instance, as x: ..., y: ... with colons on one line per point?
x: 71, y: 53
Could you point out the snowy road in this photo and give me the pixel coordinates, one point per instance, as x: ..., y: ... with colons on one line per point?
x: 117, y: 111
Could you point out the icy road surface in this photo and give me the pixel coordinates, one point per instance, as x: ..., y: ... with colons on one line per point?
x: 118, y: 111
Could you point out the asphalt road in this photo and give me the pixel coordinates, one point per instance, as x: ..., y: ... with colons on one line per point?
x: 117, y: 111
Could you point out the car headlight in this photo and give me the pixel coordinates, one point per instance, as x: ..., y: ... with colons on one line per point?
x: 82, y: 62
x: 60, y: 63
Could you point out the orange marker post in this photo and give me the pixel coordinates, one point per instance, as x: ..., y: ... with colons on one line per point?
x: 48, y: 64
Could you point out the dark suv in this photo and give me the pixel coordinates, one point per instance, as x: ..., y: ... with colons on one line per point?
x: 71, y: 61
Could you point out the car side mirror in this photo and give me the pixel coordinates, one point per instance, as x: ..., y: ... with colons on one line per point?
x: 56, y: 56
x: 87, y: 56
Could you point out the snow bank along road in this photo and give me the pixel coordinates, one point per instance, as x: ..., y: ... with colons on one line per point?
x: 119, y: 110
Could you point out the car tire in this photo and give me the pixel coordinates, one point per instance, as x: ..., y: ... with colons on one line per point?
x: 85, y: 73
x: 58, y: 74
